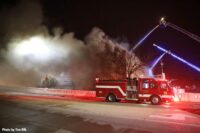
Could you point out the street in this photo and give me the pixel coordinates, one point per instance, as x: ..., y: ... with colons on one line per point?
x: 33, y: 114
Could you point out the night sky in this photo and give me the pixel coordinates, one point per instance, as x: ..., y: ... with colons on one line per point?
x: 129, y: 21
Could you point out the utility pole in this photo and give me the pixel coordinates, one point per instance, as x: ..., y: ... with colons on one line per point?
x: 161, y: 64
x: 162, y: 71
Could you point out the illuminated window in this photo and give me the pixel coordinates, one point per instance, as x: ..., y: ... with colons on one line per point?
x: 145, y: 84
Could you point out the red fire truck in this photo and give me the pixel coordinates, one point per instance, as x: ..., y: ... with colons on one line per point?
x: 142, y: 89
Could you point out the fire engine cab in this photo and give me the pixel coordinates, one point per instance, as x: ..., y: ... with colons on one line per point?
x: 141, y: 89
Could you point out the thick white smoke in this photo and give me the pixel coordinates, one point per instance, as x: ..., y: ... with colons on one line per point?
x: 32, y: 53
x: 30, y: 49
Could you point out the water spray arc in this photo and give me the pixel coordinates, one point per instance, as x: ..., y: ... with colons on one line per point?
x: 177, y: 57
x: 143, y: 39
x: 154, y: 63
x: 163, y: 23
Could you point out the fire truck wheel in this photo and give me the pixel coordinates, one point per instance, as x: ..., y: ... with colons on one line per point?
x: 155, y: 100
x: 111, y: 98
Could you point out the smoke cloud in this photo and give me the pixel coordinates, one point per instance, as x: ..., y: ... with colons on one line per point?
x: 31, y: 53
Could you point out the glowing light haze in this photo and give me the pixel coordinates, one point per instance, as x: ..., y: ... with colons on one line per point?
x: 38, y: 49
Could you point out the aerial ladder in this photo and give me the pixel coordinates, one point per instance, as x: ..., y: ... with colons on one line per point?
x: 163, y: 23
x: 189, y: 34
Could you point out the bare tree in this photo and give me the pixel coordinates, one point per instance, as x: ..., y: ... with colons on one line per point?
x: 134, y: 67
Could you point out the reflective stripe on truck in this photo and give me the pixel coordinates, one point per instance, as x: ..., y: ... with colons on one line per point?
x: 111, y: 87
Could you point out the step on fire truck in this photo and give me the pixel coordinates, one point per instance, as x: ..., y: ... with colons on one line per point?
x: 141, y: 89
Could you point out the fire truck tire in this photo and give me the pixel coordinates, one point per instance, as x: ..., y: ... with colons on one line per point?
x: 111, y: 98
x: 155, y: 100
